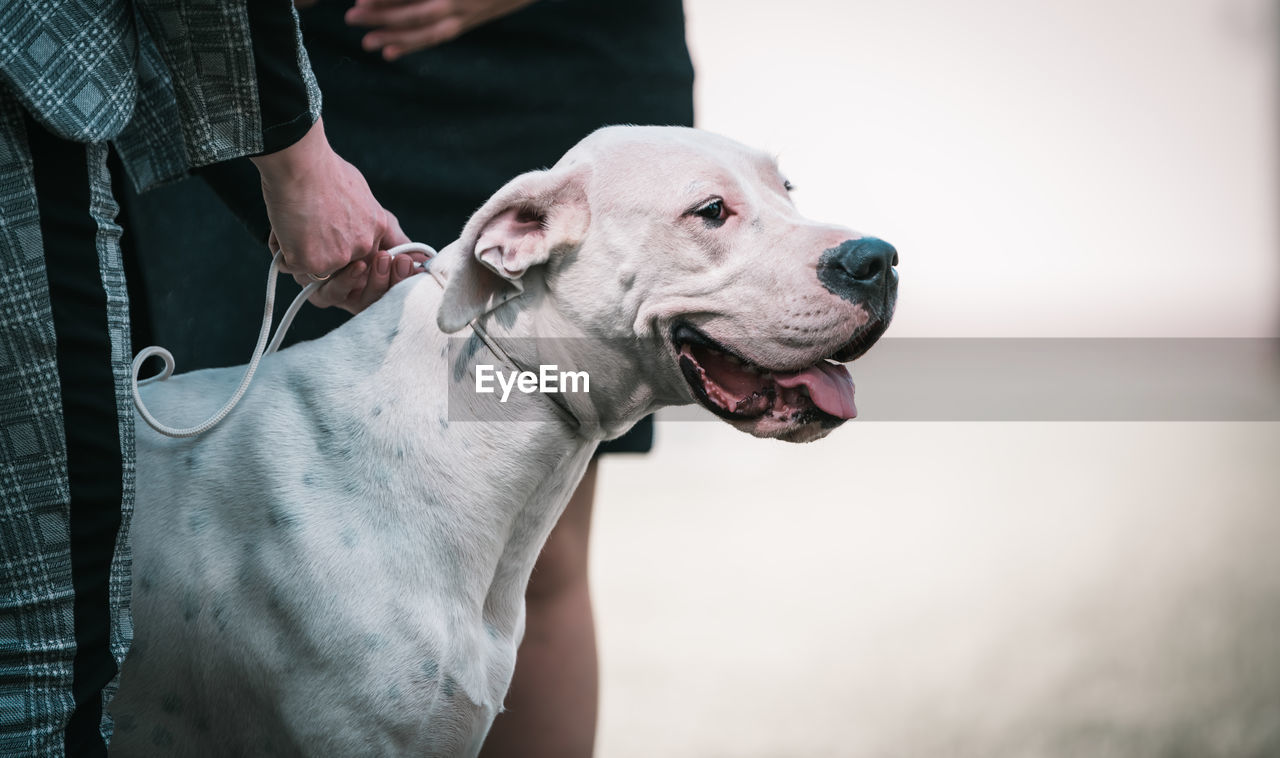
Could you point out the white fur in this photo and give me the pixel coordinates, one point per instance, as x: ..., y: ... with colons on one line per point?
x: 339, y: 568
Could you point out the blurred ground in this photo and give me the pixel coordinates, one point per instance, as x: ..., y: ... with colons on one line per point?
x: 930, y: 589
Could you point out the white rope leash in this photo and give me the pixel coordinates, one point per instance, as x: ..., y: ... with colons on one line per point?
x: 261, y: 350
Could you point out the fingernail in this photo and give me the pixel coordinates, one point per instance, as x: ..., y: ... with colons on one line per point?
x: 369, y: 43
x: 403, y: 264
x: 384, y: 264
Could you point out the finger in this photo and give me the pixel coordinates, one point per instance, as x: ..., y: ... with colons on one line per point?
x: 352, y: 303
x: 406, y: 16
x: 395, y: 43
x: 378, y: 282
x: 392, y: 234
x: 291, y: 262
x: 403, y: 268
x: 291, y: 268
x: 273, y: 246
x: 339, y: 287
x: 331, y: 260
x: 410, y: 267
x: 326, y: 261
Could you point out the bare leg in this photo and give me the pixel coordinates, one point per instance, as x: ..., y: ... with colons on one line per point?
x: 551, y: 708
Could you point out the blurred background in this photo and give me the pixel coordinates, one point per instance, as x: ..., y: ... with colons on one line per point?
x: 1085, y: 169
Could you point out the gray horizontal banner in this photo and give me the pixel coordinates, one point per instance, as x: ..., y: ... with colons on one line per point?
x: 1063, y: 380
x: 935, y: 379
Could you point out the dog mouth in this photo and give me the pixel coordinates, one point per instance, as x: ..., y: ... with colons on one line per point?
x: 737, y: 389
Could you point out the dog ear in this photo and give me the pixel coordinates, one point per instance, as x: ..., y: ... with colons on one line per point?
x: 520, y: 227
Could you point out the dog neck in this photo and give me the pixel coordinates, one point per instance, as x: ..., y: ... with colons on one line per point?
x: 530, y: 332
x: 496, y: 495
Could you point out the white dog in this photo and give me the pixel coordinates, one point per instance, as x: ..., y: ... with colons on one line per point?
x: 339, y: 568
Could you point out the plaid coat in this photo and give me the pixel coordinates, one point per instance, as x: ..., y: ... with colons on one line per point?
x: 173, y: 84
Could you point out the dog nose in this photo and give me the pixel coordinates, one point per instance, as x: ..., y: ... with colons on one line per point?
x: 859, y: 269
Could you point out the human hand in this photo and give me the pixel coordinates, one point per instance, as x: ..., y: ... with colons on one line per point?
x: 403, y: 26
x: 361, y: 282
x: 328, y: 224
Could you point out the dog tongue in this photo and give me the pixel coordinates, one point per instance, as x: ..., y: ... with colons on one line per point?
x: 830, y: 387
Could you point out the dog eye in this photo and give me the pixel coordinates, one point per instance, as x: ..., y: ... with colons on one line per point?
x: 713, y: 210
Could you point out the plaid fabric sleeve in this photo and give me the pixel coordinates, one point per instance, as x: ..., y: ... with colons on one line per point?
x: 235, y: 76
x: 70, y: 63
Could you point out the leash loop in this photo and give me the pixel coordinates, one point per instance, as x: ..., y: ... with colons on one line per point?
x: 260, y: 350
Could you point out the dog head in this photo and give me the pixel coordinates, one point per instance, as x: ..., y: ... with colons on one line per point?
x: 686, y: 246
